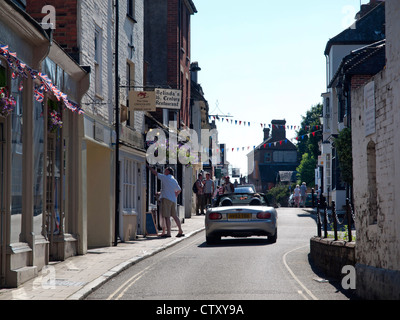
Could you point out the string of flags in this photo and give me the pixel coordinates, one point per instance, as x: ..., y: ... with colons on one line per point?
x: 263, y: 125
x: 20, y: 69
x: 272, y: 144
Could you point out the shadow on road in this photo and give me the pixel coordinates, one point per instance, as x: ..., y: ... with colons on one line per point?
x: 237, y: 242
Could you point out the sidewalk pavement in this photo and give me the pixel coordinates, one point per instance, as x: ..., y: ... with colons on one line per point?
x: 78, y: 276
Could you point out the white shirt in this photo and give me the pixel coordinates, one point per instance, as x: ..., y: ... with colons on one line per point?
x: 169, y: 186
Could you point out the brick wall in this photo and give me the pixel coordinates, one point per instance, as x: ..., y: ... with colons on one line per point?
x: 66, y: 32
x: 359, y: 80
x: 178, y: 44
x: 331, y: 256
x: 377, y: 250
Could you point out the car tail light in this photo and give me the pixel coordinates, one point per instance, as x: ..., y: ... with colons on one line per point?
x: 215, y: 216
x: 264, y: 215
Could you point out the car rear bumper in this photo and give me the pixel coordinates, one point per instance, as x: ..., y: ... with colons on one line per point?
x: 242, y: 229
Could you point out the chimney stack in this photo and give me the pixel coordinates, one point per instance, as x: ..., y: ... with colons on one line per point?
x: 194, y: 69
x: 278, y: 130
x: 266, y: 133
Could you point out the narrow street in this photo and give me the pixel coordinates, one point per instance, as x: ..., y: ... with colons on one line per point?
x: 234, y: 269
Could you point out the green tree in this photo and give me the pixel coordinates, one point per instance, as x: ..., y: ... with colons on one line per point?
x: 306, y: 170
x: 310, y: 132
x: 309, y: 136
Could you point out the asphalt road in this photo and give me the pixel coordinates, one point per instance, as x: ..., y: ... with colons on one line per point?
x: 235, y: 269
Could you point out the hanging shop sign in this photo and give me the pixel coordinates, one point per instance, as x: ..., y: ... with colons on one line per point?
x: 142, y: 100
x: 168, y: 99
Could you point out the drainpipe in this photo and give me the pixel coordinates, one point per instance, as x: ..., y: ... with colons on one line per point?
x: 117, y: 173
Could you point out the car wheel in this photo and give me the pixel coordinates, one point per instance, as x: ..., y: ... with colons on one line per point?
x: 272, y: 239
x: 212, y: 239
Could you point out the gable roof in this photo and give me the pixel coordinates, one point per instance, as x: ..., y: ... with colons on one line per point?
x: 368, y: 29
x: 368, y: 60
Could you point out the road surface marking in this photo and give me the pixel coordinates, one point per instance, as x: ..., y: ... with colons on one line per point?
x: 297, y: 279
x: 129, y: 283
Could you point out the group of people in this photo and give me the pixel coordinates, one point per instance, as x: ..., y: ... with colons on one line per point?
x: 300, y: 195
x: 206, y: 190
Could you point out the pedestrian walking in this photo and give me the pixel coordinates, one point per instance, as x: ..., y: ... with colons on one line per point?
x: 170, y: 190
x: 208, y: 189
x: 228, y: 186
x: 297, y: 196
x: 303, y: 193
x: 199, y: 188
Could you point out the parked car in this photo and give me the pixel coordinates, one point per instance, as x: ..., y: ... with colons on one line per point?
x: 249, y: 188
x: 241, y: 215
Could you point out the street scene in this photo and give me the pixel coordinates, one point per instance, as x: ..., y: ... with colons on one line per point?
x: 234, y: 269
x: 199, y: 151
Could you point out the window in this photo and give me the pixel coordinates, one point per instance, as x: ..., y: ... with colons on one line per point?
x: 285, y: 156
x: 130, y: 78
x: 98, y: 61
x: 267, y: 157
x: 129, y: 185
x: 328, y: 170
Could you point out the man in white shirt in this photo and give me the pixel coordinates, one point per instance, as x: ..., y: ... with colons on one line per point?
x: 170, y: 190
x: 208, y: 189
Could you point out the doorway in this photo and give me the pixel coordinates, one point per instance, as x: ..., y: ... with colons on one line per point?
x: 3, y: 239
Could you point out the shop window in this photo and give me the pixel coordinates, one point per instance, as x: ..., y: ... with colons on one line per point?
x: 55, y: 169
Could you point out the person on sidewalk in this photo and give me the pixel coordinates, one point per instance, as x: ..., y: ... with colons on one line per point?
x: 170, y: 190
x: 208, y: 190
x: 297, y: 196
x: 199, y: 195
x: 303, y: 194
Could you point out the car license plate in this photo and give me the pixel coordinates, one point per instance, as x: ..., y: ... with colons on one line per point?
x: 239, y: 216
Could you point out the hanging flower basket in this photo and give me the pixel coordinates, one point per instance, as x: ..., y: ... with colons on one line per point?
x: 7, y: 102
x: 54, y: 121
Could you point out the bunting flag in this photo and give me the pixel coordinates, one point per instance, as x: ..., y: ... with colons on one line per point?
x: 263, y: 125
x: 273, y: 144
x: 19, y: 68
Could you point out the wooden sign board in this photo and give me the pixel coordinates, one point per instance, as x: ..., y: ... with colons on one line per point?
x: 142, y: 100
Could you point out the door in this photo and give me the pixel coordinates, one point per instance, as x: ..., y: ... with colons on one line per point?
x: 2, y: 204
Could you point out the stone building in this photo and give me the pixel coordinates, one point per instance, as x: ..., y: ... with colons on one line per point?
x: 87, y: 31
x: 376, y: 163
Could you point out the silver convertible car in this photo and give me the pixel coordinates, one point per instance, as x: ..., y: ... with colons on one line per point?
x: 241, y: 215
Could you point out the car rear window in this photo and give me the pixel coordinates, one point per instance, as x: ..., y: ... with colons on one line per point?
x: 241, y: 199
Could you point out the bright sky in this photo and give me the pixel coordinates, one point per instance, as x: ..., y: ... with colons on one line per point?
x: 263, y: 60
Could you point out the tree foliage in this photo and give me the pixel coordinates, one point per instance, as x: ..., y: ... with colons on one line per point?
x: 308, y: 145
x: 306, y: 170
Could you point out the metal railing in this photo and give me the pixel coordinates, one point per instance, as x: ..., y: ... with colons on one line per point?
x: 334, y: 219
